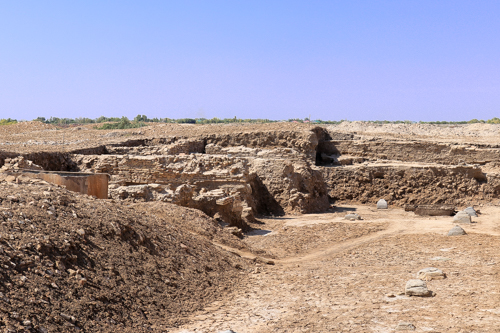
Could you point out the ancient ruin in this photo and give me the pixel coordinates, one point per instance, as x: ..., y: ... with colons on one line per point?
x: 166, y: 228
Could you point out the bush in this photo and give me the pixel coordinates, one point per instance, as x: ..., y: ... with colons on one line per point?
x: 493, y: 121
x: 7, y: 121
x: 123, y: 124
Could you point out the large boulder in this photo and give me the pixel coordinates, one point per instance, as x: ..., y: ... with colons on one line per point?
x: 417, y: 288
x: 462, y: 217
x: 382, y: 204
x: 430, y: 273
x: 457, y: 231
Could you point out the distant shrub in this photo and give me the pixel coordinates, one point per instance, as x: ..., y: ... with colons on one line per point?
x: 124, y: 123
x: 475, y: 121
x: 493, y: 121
x: 186, y: 121
x: 7, y: 121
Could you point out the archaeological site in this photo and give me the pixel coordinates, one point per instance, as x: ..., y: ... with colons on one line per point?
x: 278, y: 227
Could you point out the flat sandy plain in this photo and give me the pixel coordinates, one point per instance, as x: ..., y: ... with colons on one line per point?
x: 333, y: 275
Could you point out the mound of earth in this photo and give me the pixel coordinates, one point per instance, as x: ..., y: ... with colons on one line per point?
x: 69, y: 261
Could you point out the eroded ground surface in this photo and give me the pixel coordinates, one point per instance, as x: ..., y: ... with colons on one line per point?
x: 241, y: 226
x: 333, y: 275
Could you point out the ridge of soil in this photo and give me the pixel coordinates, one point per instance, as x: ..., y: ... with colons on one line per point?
x: 70, y: 261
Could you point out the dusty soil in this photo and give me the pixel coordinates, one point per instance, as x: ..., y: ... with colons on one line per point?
x: 70, y: 262
x: 34, y: 136
x: 354, y: 284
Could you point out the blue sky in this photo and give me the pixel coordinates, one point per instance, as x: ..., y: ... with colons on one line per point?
x: 356, y: 60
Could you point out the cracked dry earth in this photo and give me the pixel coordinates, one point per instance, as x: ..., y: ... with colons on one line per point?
x: 349, y: 276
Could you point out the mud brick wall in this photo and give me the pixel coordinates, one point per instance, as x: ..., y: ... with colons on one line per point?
x: 412, y: 151
x: 169, y: 169
x: 411, y: 184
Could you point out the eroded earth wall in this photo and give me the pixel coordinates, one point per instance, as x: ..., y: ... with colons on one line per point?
x: 244, y: 172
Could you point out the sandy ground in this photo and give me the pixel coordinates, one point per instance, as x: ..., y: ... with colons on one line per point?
x: 349, y: 276
x: 35, y: 136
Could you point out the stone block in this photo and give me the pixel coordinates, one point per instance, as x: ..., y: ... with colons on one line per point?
x: 456, y: 231
x: 471, y: 211
x: 430, y: 273
x: 462, y: 217
x: 382, y: 204
x: 352, y: 217
x: 417, y: 288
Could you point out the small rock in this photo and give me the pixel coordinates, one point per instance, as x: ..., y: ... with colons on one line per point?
x: 471, y: 211
x: 81, y: 232
x: 54, y: 285
x: 405, y: 326
x: 227, y: 331
x: 430, y: 273
x: 26, y: 322
x: 417, y: 288
x: 382, y: 204
x: 457, y: 231
x: 235, y: 231
x: 440, y: 259
x: 60, y: 265
x: 352, y: 217
x: 462, y: 217
x: 68, y: 317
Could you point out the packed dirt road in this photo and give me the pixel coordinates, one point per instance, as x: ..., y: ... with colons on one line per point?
x: 351, y: 277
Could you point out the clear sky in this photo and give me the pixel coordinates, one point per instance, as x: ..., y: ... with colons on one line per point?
x: 333, y: 60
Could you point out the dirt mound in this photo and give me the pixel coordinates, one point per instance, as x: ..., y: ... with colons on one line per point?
x: 70, y: 261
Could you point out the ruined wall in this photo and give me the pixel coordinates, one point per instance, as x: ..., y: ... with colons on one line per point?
x: 411, y: 184
x: 50, y: 161
x: 201, y: 169
x: 412, y: 151
x: 304, y: 141
x: 296, y: 186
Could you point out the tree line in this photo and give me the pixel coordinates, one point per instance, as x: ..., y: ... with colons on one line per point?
x: 142, y: 120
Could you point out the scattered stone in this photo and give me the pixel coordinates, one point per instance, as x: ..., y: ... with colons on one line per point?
x: 235, y: 231
x: 68, y: 317
x: 382, y: 204
x: 462, y: 217
x: 352, y: 217
x: 434, y: 210
x: 440, y: 259
x: 405, y: 326
x: 430, y: 273
x: 471, y: 211
x: 264, y: 260
x: 417, y: 288
x: 227, y: 331
x: 457, y: 231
